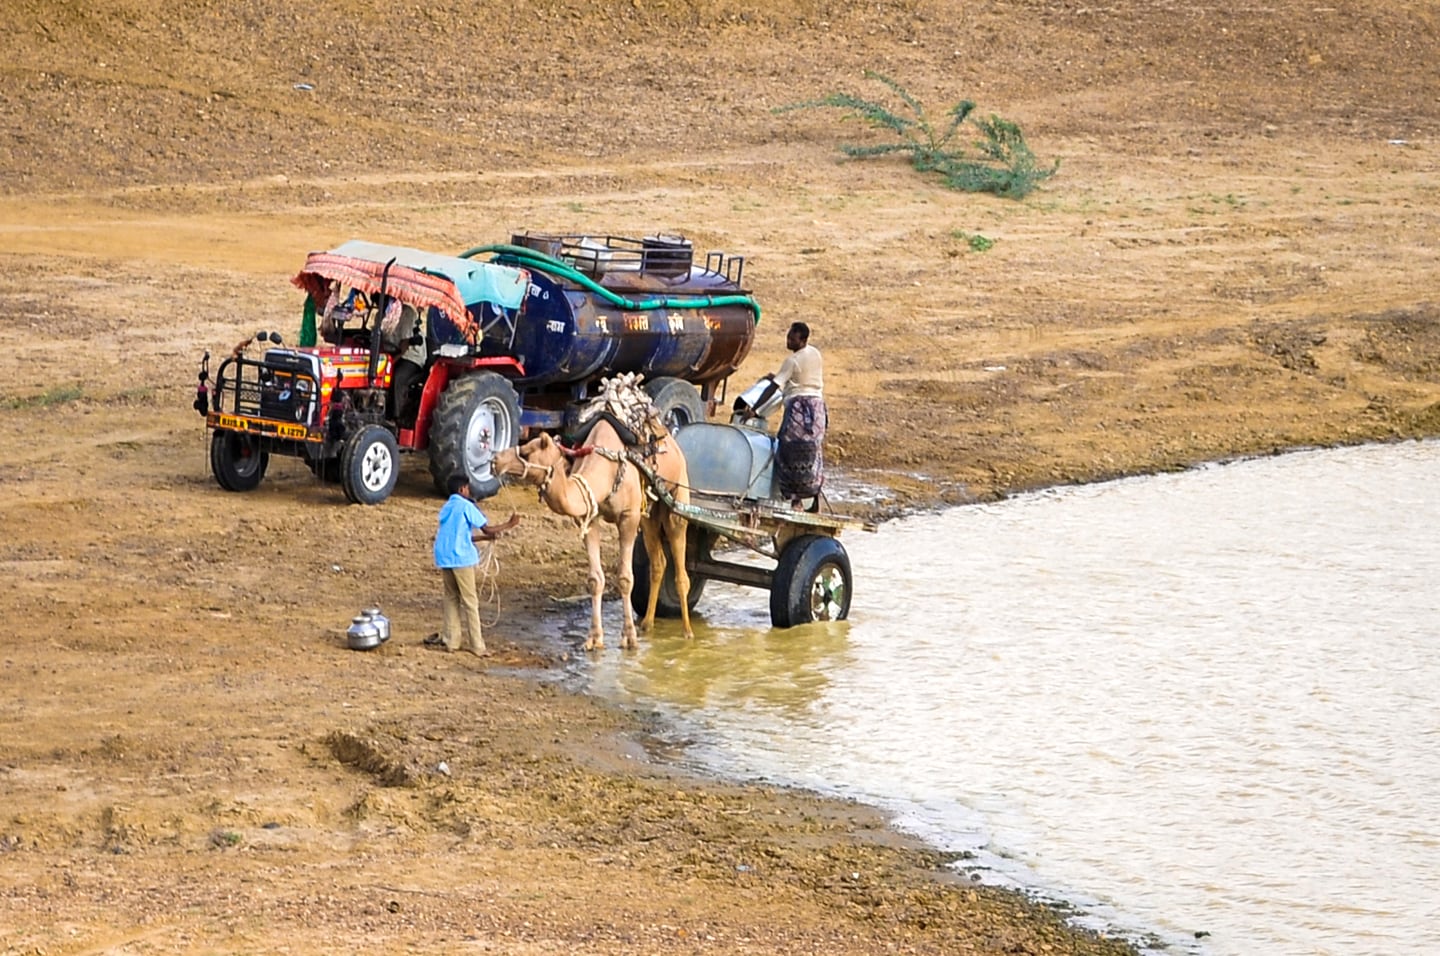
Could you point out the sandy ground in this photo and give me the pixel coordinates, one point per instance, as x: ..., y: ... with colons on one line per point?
x: 1237, y: 256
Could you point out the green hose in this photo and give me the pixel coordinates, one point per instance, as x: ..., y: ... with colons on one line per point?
x: 541, y: 262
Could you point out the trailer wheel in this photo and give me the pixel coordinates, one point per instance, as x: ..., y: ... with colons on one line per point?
x: 476, y: 417
x: 668, y: 604
x: 237, y: 461
x: 369, y: 465
x: 677, y: 402
x: 811, y: 582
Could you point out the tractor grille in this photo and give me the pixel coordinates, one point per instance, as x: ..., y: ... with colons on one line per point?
x: 285, y: 387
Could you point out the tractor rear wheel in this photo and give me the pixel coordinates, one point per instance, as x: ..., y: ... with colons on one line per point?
x: 477, y: 416
x: 677, y: 402
x: 370, y: 465
x: 237, y: 461
x: 811, y: 582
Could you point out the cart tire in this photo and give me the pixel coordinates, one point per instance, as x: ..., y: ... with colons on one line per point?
x: 677, y: 402
x: 237, y: 461
x: 812, y: 582
x: 668, y: 604
x: 476, y: 417
x: 370, y: 465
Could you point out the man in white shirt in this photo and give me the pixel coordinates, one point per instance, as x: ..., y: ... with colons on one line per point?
x: 800, y: 456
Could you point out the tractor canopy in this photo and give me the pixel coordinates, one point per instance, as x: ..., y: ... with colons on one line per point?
x: 459, y: 289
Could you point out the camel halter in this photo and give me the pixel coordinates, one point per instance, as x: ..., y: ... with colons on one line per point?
x: 592, y: 507
x: 549, y: 473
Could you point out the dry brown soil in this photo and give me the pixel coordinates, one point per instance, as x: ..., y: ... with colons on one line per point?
x: 1238, y: 255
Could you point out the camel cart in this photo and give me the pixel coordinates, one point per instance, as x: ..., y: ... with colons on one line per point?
x: 735, y: 499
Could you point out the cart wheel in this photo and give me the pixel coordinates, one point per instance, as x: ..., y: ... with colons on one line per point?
x: 811, y: 582
x: 676, y: 401
x: 237, y: 461
x: 370, y: 465
x: 668, y: 604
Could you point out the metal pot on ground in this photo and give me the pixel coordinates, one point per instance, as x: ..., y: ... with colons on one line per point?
x: 363, y: 634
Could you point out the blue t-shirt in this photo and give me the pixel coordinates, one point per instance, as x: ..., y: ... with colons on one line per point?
x: 454, y: 548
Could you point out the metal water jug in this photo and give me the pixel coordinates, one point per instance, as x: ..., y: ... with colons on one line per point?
x: 382, y: 623
x: 755, y: 404
x: 363, y: 634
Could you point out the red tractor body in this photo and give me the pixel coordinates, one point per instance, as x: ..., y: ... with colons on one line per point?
x: 456, y: 356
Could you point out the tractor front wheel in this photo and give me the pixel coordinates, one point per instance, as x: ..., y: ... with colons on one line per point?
x: 237, y: 461
x: 477, y: 416
x: 370, y: 465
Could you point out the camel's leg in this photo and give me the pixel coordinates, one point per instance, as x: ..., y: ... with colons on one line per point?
x: 669, y: 528
x: 675, y: 528
x: 628, y: 525
x: 596, y: 579
x: 651, y: 532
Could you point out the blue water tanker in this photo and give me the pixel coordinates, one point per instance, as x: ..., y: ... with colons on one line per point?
x: 599, y: 306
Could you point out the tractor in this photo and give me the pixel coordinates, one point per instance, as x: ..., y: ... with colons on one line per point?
x: 459, y: 356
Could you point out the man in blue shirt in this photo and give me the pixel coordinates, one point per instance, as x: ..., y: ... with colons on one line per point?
x: 461, y: 525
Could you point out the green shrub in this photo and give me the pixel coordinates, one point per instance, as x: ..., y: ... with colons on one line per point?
x: 1000, y: 163
x: 976, y: 241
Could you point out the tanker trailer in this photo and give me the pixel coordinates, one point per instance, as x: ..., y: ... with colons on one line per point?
x: 596, y: 306
x: 601, y: 306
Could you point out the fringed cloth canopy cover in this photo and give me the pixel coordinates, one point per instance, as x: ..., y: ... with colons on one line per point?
x: 420, y: 279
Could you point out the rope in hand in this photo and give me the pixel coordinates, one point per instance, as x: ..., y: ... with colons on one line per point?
x: 487, y: 581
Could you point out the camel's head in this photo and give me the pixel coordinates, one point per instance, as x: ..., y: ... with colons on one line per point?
x: 532, y: 461
x: 542, y: 450
x: 508, y: 464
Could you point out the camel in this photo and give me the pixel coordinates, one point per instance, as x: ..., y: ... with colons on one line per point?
x: 602, y: 482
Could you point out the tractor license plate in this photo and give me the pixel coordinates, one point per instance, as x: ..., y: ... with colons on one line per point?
x: 279, y: 429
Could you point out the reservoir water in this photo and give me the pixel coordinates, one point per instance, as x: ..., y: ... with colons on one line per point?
x: 1202, y: 707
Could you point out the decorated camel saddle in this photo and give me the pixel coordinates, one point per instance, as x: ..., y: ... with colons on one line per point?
x: 627, y: 407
